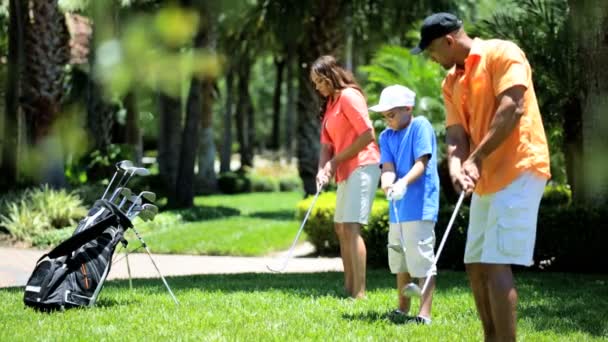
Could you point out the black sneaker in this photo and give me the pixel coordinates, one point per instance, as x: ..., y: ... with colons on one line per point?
x: 399, y: 317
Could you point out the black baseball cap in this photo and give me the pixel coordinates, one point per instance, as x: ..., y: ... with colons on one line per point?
x: 434, y: 26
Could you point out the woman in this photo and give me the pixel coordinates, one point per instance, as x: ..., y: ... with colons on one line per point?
x: 348, y: 152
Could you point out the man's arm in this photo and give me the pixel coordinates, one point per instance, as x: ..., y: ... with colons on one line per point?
x: 509, y: 111
x: 458, y: 151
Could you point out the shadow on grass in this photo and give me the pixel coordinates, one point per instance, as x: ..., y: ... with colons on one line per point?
x: 375, y: 316
x: 281, y: 215
x: 204, y: 213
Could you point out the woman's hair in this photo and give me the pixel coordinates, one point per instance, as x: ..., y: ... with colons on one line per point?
x: 327, y: 68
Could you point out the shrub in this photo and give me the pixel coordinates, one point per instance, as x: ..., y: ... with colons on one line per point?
x: 33, y: 213
x: 233, y: 183
x: 569, y: 238
x: 290, y: 183
x: 557, y: 194
x: 264, y: 184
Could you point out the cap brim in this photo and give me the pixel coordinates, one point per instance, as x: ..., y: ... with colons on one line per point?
x: 415, y: 51
x: 380, y: 108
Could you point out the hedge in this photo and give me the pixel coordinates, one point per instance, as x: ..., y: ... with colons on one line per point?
x: 569, y: 238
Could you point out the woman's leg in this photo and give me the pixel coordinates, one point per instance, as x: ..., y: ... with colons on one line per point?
x: 358, y: 255
x: 346, y: 259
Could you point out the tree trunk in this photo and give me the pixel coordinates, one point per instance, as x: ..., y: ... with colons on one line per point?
x: 207, y: 180
x: 46, y: 54
x: 290, y: 113
x: 133, y: 132
x: 169, y: 142
x: 275, y: 140
x: 184, y: 191
x: 244, y: 115
x: 13, y: 119
x: 324, y: 36
x: 227, y: 136
x: 589, y: 21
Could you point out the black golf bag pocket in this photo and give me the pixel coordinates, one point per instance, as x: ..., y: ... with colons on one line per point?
x: 73, y: 273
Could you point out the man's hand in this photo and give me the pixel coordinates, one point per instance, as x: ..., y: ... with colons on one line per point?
x: 397, y: 190
x: 462, y: 182
x: 472, y: 168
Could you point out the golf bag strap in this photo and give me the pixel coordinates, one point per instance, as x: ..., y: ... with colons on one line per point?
x: 76, y: 241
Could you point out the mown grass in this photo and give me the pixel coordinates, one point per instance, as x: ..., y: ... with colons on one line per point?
x: 311, y: 307
x: 242, y: 225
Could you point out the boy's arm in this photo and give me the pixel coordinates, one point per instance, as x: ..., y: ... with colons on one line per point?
x: 388, y: 176
x: 417, y: 169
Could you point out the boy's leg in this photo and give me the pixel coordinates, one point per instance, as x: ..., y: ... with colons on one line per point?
x: 426, y: 302
x: 346, y: 258
x: 358, y: 255
x: 404, y: 301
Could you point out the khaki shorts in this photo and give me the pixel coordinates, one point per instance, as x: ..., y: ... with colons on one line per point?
x: 502, y: 226
x: 419, y: 241
x: 355, y: 195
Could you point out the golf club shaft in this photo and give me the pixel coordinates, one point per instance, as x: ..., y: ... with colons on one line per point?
x: 401, y: 237
x: 443, y: 240
x: 156, y: 267
x: 295, y: 241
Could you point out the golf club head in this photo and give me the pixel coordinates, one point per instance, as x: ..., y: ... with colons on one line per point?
x: 124, y: 192
x: 124, y: 164
x: 139, y: 171
x: 148, y: 196
x: 412, y: 290
x: 134, y: 199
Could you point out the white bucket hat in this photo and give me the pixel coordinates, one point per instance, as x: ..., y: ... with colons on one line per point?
x: 394, y: 96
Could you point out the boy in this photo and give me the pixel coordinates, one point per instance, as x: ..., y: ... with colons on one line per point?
x: 408, y: 155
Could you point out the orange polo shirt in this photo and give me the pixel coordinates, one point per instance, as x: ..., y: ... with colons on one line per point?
x: 344, y: 121
x: 492, y: 67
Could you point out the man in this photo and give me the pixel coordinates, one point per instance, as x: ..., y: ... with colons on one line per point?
x: 497, y: 149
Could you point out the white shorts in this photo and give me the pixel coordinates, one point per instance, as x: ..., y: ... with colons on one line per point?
x: 419, y: 241
x: 355, y: 195
x: 502, y: 226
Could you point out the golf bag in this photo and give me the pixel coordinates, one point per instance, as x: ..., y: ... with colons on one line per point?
x: 73, y: 273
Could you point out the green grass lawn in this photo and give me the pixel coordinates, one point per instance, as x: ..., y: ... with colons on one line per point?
x: 245, y: 225
x: 294, y: 307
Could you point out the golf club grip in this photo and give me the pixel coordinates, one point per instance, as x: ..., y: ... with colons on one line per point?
x: 444, y: 238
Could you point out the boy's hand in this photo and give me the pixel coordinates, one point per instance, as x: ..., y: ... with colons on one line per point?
x: 397, y: 190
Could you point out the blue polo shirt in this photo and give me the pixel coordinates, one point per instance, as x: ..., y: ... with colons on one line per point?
x: 402, y: 148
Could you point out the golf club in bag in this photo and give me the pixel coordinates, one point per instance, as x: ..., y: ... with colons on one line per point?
x: 412, y: 289
x: 295, y: 241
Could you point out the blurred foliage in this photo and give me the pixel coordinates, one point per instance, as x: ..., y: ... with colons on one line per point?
x: 154, y: 51
x: 395, y: 65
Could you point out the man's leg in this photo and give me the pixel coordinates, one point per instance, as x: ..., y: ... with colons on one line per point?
x: 404, y: 301
x: 358, y: 255
x: 346, y: 258
x: 478, y: 280
x: 503, y: 300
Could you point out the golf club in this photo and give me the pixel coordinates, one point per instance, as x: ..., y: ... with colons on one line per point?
x: 120, y: 166
x: 295, y: 241
x: 146, y: 212
x: 139, y: 171
x: 154, y: 263
x: 400, y: 248
x: 412, y: 289
x: 147, y: 195
x: 124, y: 192
x: 133, y: 199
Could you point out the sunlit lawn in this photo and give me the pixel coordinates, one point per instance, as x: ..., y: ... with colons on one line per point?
x: 246, y: 224
x: 295, y: 307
